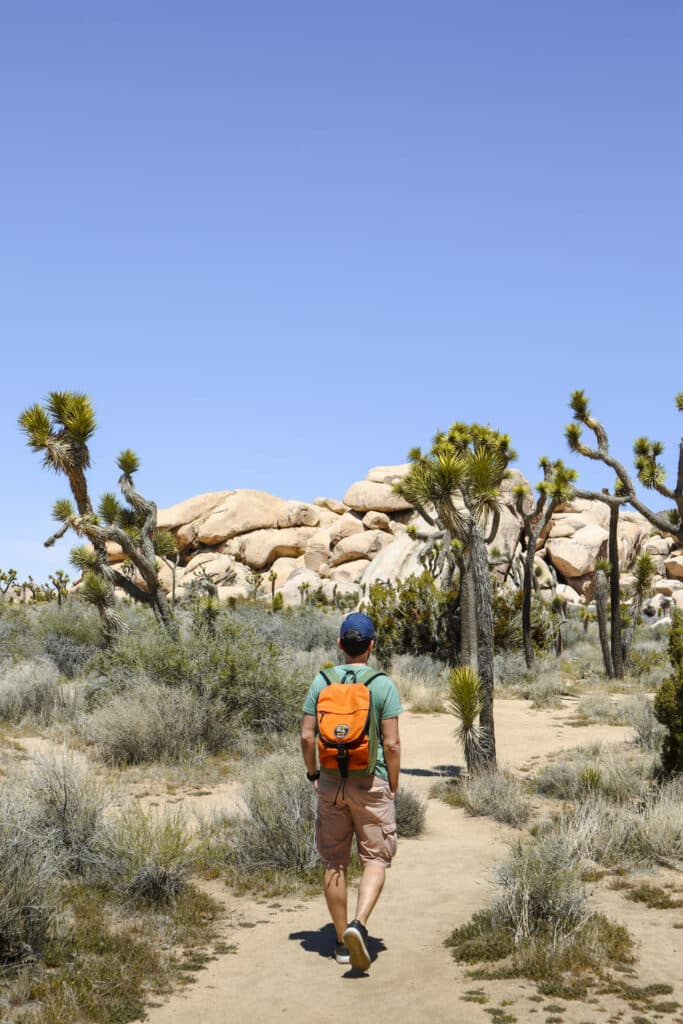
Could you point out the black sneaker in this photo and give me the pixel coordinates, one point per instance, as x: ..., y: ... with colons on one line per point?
x: 341, y: 953
x: 356, y: 938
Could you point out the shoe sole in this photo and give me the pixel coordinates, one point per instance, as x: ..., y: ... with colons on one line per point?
x: 360, y: 958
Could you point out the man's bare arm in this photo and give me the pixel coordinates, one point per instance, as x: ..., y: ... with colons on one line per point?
x: 392, y: 750
x: 308, y: 744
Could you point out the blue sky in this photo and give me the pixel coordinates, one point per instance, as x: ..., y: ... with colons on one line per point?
x: 280, y: 242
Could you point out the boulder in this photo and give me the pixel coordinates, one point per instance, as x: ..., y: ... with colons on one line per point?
x: 507, y: 491
x: 629, y: 538
x: 508, y: 533
x: 283, y: 569
x: 673, y: 567
x: 188, y: 511
x: 667, y: 587
x: 260, y: 548
x: 576, y: 556
x: 568, y: 593
x: 344, y: 527
x: 388, y: 474
x: 291, y: 593
x: 542, y: 574
x: 114, y: 552
x: 332, y: 589
x: 235, y: 591
x: 359, y: 545
x: 241, y: 512
x: 377, y: 521
x: 298, y: 514
x: 367, y: 496
x: 349, y: 572
x: 658, y: 545
x: 332, y: 504
x: 223, y: 569
x: 396, y: 561
x: 317, y: 552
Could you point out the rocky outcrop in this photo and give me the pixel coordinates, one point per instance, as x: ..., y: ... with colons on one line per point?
x: 342, y: 547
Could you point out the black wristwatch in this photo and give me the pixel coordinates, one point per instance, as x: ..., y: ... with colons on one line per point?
x: 313, y: 776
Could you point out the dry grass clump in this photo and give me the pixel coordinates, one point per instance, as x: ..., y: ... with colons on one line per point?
x: 29, y: 879
x: 69, y: 805
x: 411, y: 813
x: 617, y: 776
x: 29, y: 690
x: 421, y: 681
x: 151, y: 722
x: 648, y: 833
x: 540, y: 924
x: 494, y: 794
x: 271, y: 843
x: 142, y: 856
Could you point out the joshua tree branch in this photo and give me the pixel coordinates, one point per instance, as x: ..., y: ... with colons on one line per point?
x: 52, y: 540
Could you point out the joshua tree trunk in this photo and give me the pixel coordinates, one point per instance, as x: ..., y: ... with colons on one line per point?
x: 615, y: 593
x: 484, y: 608
x: 601, y: 609
x: 468, y: 616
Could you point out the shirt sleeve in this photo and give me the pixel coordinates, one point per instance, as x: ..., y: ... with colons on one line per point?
x: 391, y: 706
x: 311, y: 702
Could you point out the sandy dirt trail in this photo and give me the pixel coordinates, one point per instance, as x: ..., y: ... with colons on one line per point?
x: 282, y: 969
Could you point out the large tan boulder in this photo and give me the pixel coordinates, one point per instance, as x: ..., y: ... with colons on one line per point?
x: 115, y: 552
x: 629, y: 540
x: 291, y: 592
x: 658, y: 545
x: 190, y: 510
x: 388, y: 474
x: 333, y: 589
x: 396, y: 561
x: 575, y: 556
x: 332, y: 504
x: 367, y: 496
x: 241, y: 512
x: 222, y: 569
x: 298, y: 513
x: 542, y: 574
x: 674, y: 566
x: 377, y: 521
x: 317, y: 553
x: 359, y: 545
x: 508, y: 532
x: 349, y: 572
x: 345, y: 526
x: 283, y: 569
x: 667, y: 587
x: 260, y: 548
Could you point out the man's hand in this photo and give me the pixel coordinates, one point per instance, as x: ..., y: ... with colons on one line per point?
x: 308, y: 746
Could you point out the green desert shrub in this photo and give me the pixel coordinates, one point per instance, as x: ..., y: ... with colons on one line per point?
x: 668, y: 705
x: 465, y: 702
x: 69, y: 805
x: 639, y: 713
x: 232, y: 664
x: 30, y: 690
x: 411, y: 813
x: 149, y: 722
x: 142, y: 856
x: 69, y: 635
x: 497, y: 795
x: 29, y: 879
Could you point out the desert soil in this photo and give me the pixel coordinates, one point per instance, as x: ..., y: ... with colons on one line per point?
x: 282, y: 970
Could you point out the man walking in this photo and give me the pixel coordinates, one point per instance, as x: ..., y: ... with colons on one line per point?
x: 359, y: 803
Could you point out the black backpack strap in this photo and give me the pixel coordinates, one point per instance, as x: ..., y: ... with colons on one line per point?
x: 328, y: 681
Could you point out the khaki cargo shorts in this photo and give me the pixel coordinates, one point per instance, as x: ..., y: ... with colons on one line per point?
x: 361, y: 806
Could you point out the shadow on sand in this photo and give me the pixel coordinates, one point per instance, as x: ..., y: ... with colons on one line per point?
x: 437, y: 771
x: 322, y: 942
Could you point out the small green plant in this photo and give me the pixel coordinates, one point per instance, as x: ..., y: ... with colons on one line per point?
x: 411, y: 812
x: 465, y: 702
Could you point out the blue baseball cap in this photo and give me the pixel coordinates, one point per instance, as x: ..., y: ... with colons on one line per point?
x: 358, y: 623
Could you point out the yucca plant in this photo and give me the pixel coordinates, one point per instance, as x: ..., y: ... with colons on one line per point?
x: 464, y: 701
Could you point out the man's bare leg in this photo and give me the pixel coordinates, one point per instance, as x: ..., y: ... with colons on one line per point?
x: 371, y: 885
x: 335, y: 894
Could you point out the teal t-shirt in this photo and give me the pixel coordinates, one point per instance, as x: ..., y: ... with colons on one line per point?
x: 384, y: 702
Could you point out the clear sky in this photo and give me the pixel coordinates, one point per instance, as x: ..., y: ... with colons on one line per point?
x: 281, y: 242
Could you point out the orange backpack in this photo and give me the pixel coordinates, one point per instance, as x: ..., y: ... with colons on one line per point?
x: 347, y: 730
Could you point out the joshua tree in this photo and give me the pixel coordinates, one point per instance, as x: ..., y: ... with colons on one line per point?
x: 254, y: 583
x: 601, y: 586
x: 651, y: 475
x: 8, y: 580
x: 555, y: 488
x: 61, y: 430
x: 60, y: 581
x: 272, y: 579
x: 464, y: 702
x: 643, y: 572
x: 460, y: 480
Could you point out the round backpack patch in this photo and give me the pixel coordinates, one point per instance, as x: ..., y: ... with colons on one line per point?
x: 341, y: 732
